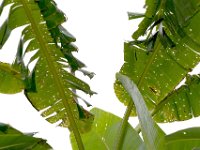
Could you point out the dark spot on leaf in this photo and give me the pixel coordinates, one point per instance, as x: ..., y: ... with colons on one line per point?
x: 135, y: 56
x: 154, y: 90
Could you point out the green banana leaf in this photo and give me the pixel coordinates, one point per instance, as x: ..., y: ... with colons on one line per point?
x: 181, y: 104
x: 153, y: 136
x: 159, y: 62
x: 152, y: 7
x: 50, y: 85
x: 187, y: 139
x: 104, y: 132
x: 54, y: 18
x: 12, y: 139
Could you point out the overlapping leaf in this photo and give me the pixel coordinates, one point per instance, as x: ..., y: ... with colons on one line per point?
x: 159, y: 63
x: 152, y: 7
x: 48, y: 86
x: 54, y: 18
x: 10, y: 80
x: 104, y: 132
x: 12, y: 139
x: 153, y: 136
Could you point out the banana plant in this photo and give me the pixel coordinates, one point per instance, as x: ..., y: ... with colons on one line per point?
x: 50, y: 86
x: 164, y: 50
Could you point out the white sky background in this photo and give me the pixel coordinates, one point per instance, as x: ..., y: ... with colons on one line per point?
x: 100, y: 27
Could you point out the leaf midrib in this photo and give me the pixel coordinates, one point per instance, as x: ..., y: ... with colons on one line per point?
x: 44, y: 49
